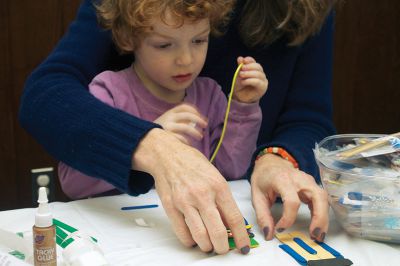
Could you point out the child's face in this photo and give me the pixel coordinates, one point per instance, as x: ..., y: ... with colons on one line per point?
x: 170, y: 58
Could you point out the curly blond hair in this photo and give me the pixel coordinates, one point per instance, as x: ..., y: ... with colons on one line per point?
x: 130, y: 20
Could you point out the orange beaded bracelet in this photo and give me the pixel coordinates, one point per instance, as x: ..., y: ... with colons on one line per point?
x: 280, y: 152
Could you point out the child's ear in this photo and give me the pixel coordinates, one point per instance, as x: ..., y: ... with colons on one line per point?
x: 127, y: 44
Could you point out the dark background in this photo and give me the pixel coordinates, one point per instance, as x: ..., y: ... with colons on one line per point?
x: 366, y: 78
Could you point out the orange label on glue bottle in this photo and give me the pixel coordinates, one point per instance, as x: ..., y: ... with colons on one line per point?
x: 44, y: 246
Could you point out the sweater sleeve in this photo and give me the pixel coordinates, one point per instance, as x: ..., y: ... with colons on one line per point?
x: 72, y: 125
x: 307, y: 114
x: 69, y: 177
x: 244, y: 121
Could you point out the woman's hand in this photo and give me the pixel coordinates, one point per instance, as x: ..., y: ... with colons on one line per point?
x: 182, y: 121
x: 251, y: 83
x: 276, y: 177
x: 195, y: 196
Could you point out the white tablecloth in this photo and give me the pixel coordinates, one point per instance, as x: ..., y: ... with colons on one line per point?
x: 126, y: 243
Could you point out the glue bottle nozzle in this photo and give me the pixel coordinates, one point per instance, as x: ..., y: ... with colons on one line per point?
x: 42, y: 195
x: 43, y: 217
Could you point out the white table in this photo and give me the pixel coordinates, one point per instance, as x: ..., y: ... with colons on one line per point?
x: 126, y: 243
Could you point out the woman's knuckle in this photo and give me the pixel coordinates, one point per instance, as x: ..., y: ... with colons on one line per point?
x: 292, y: 203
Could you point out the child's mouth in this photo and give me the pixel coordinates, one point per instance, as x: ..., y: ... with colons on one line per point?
x: 182, y: 78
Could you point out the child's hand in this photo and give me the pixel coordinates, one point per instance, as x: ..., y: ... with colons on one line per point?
x: 183, y: 120
x: 251, y: 83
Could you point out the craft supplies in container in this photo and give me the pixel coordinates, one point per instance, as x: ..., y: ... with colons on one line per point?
x: 362, y: 177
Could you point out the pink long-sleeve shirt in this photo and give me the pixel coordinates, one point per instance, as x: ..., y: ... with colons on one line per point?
x: 123, y: 90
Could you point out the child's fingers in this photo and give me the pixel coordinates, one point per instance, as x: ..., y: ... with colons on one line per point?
x: 254, y: 82
x: 253, y: 78
x: 185, y: 117
x: 185, y: 108
x: 252, y: 74
x: 252, y: 66
x: 181, y: 138
x: 185, y: 112
x: 185, y: 129
x: 248, y: 60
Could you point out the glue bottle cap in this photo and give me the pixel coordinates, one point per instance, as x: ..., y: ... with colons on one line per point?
x: 43, y: 216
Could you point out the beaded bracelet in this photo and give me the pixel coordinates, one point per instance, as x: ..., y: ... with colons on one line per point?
x: 280, y: 152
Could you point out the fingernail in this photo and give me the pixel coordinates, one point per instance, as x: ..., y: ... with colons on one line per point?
x: 244, y: 250
x: 322, y: 237
x: 266, y: 231
x: 316, y: 232
x: 280, y: 230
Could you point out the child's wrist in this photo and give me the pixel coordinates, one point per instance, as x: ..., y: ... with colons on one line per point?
x: 246, y: 101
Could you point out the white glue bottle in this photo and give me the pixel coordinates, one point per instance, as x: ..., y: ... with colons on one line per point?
x: 44, y: 234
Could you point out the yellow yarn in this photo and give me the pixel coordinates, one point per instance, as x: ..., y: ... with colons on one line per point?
x: 226, y: 113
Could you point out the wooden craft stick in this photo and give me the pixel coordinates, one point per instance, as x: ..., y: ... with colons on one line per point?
x: 367, y: 146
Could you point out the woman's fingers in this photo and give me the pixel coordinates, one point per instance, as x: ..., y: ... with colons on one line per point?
x: 216, y: 228
x: 319, y: 209
x: 197, y: 229
x: 234, y: 219
x: 274, y: 176
x: 175, y: 216
x: 262, y: 205
x: 290, y: 199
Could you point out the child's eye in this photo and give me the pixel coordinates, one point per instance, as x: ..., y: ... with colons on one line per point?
x: 162, y: 46
x: 200, y: 41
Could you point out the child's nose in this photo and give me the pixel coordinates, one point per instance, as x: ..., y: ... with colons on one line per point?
x: 185, y: 57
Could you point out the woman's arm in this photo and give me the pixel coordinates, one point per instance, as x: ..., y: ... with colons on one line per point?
x: 305, y: 119
x: 58, y: 111
x: 306, y: 116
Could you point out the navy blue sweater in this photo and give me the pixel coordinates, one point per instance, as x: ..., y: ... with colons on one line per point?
x: 74, y: 127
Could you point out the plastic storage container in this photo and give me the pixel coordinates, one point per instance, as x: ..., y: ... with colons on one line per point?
x: 364, y: 192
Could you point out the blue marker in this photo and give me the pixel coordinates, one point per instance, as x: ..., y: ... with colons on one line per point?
x: 138, y: 207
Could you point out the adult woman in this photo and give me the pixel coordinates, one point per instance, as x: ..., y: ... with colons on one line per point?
x: 106, y: 143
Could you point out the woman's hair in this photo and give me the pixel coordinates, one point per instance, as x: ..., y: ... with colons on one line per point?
x: 130, y: 20
x: 264, y: 21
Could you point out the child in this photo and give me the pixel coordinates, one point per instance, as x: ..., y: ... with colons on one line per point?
x: 169, y: 41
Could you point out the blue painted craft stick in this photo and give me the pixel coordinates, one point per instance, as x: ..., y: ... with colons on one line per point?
x: 330, y: 249
x: 138, y: 207
x: 294, y: 254
x: 356, y: 196
x: 366, y: 197
x: 304, y: 245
